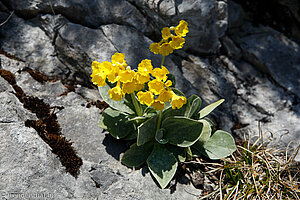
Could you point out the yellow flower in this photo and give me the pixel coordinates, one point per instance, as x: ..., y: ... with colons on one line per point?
x: 158, y: 105
x: 145, y: 97
x: 177, y: 42
x: 129, y: 87
x: 178, y: 101
x: 139, y: 86
x: 165, y: 49
x: 142, y: 78
x: 95, y: 65
x: 160, y: 73
x: 168, y: 83
x: 156, y: 86
x: 126, y: 76
x: 106, y: 67
x: 155, y: 48
x: 116, y: 93
x: 119, y: 59
x: 113, y: 76
x: 98, y: 79
x: 182, y: 28
x: 145, y: 66
x: 165, y: 96
x: 166, y: 33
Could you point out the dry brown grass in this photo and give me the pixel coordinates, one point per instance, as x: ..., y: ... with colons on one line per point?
x: 255, y: 171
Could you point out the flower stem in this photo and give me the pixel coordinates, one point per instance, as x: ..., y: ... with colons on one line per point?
x: 159, y: 120
x: 162, y: 61
x: 137, y: 106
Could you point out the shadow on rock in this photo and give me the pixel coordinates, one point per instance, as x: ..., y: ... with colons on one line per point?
x: 114, y: 147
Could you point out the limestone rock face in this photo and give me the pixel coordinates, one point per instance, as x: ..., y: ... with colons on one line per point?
x: 47, y: 47
x: 207, y: 20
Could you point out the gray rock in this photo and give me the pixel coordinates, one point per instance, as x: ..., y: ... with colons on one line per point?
x: 274, y: 53
x: 230, y: 48
x: 78, y: 52
x: 4, y: 86
x: 207, y: 20
x: 293, y: 7
x: 236, y: 15
x: 250, y: 98
x: 29, y: 43
x: 88, y: 13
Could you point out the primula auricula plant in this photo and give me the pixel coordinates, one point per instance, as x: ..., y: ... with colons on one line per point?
x: 167, y: 128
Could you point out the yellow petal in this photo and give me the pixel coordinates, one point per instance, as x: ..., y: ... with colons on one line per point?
x: 142, y: 78
x: 119, y: 59
x: 165, y: 49
x: 145, y: 97
x: 95, y: 65
x: 158, y: 105
x: 155, y: 48
x: 99, y: 79
x: 129, y: 87
x: 126, y: 76
x: 182, y: 28
x: 156, y: 86
x: 178, y: 101
x: 169, y: 83
x: 160, y: 73
x: 116, y: 93
x: 177, y: 42
x: 106, y: 67
x: 165, y: 96
x: 145, y: 66
x: 166, y: 33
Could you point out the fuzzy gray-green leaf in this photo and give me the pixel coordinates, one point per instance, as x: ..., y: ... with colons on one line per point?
x: 115, y: 122
x: 182, y: 131
x: 147, y: 131
x: 193, y: 105
x: 178, y: 152
x: 137, y: 155
x: 208, y: 109
x: 206, y: 132
x: 220, y: 145
x: 162, y: 165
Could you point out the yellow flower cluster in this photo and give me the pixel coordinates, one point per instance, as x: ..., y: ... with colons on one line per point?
x: 129, y: 81
x: 171, y: 41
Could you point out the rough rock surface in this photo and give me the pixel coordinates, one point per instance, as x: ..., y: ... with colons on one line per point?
x: 49, y: 47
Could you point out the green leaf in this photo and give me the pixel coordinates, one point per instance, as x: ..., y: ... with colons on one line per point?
x: 220, y: 145
x: 178, y: 152
x: 206, y: 132
x: 162, y: 165
x: 193, y: 106
x: 169, y: 112
x: 176, y: 91
x: 208, y: 109
x: 159, y: 136
x: 137, y: 155
x: 147, y: 131
x: 123, y: 105
x: 198, y: 150
x: 131, y: 136
x: 182, y: 131
x: 115, y: 122
x: 212, y: 124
